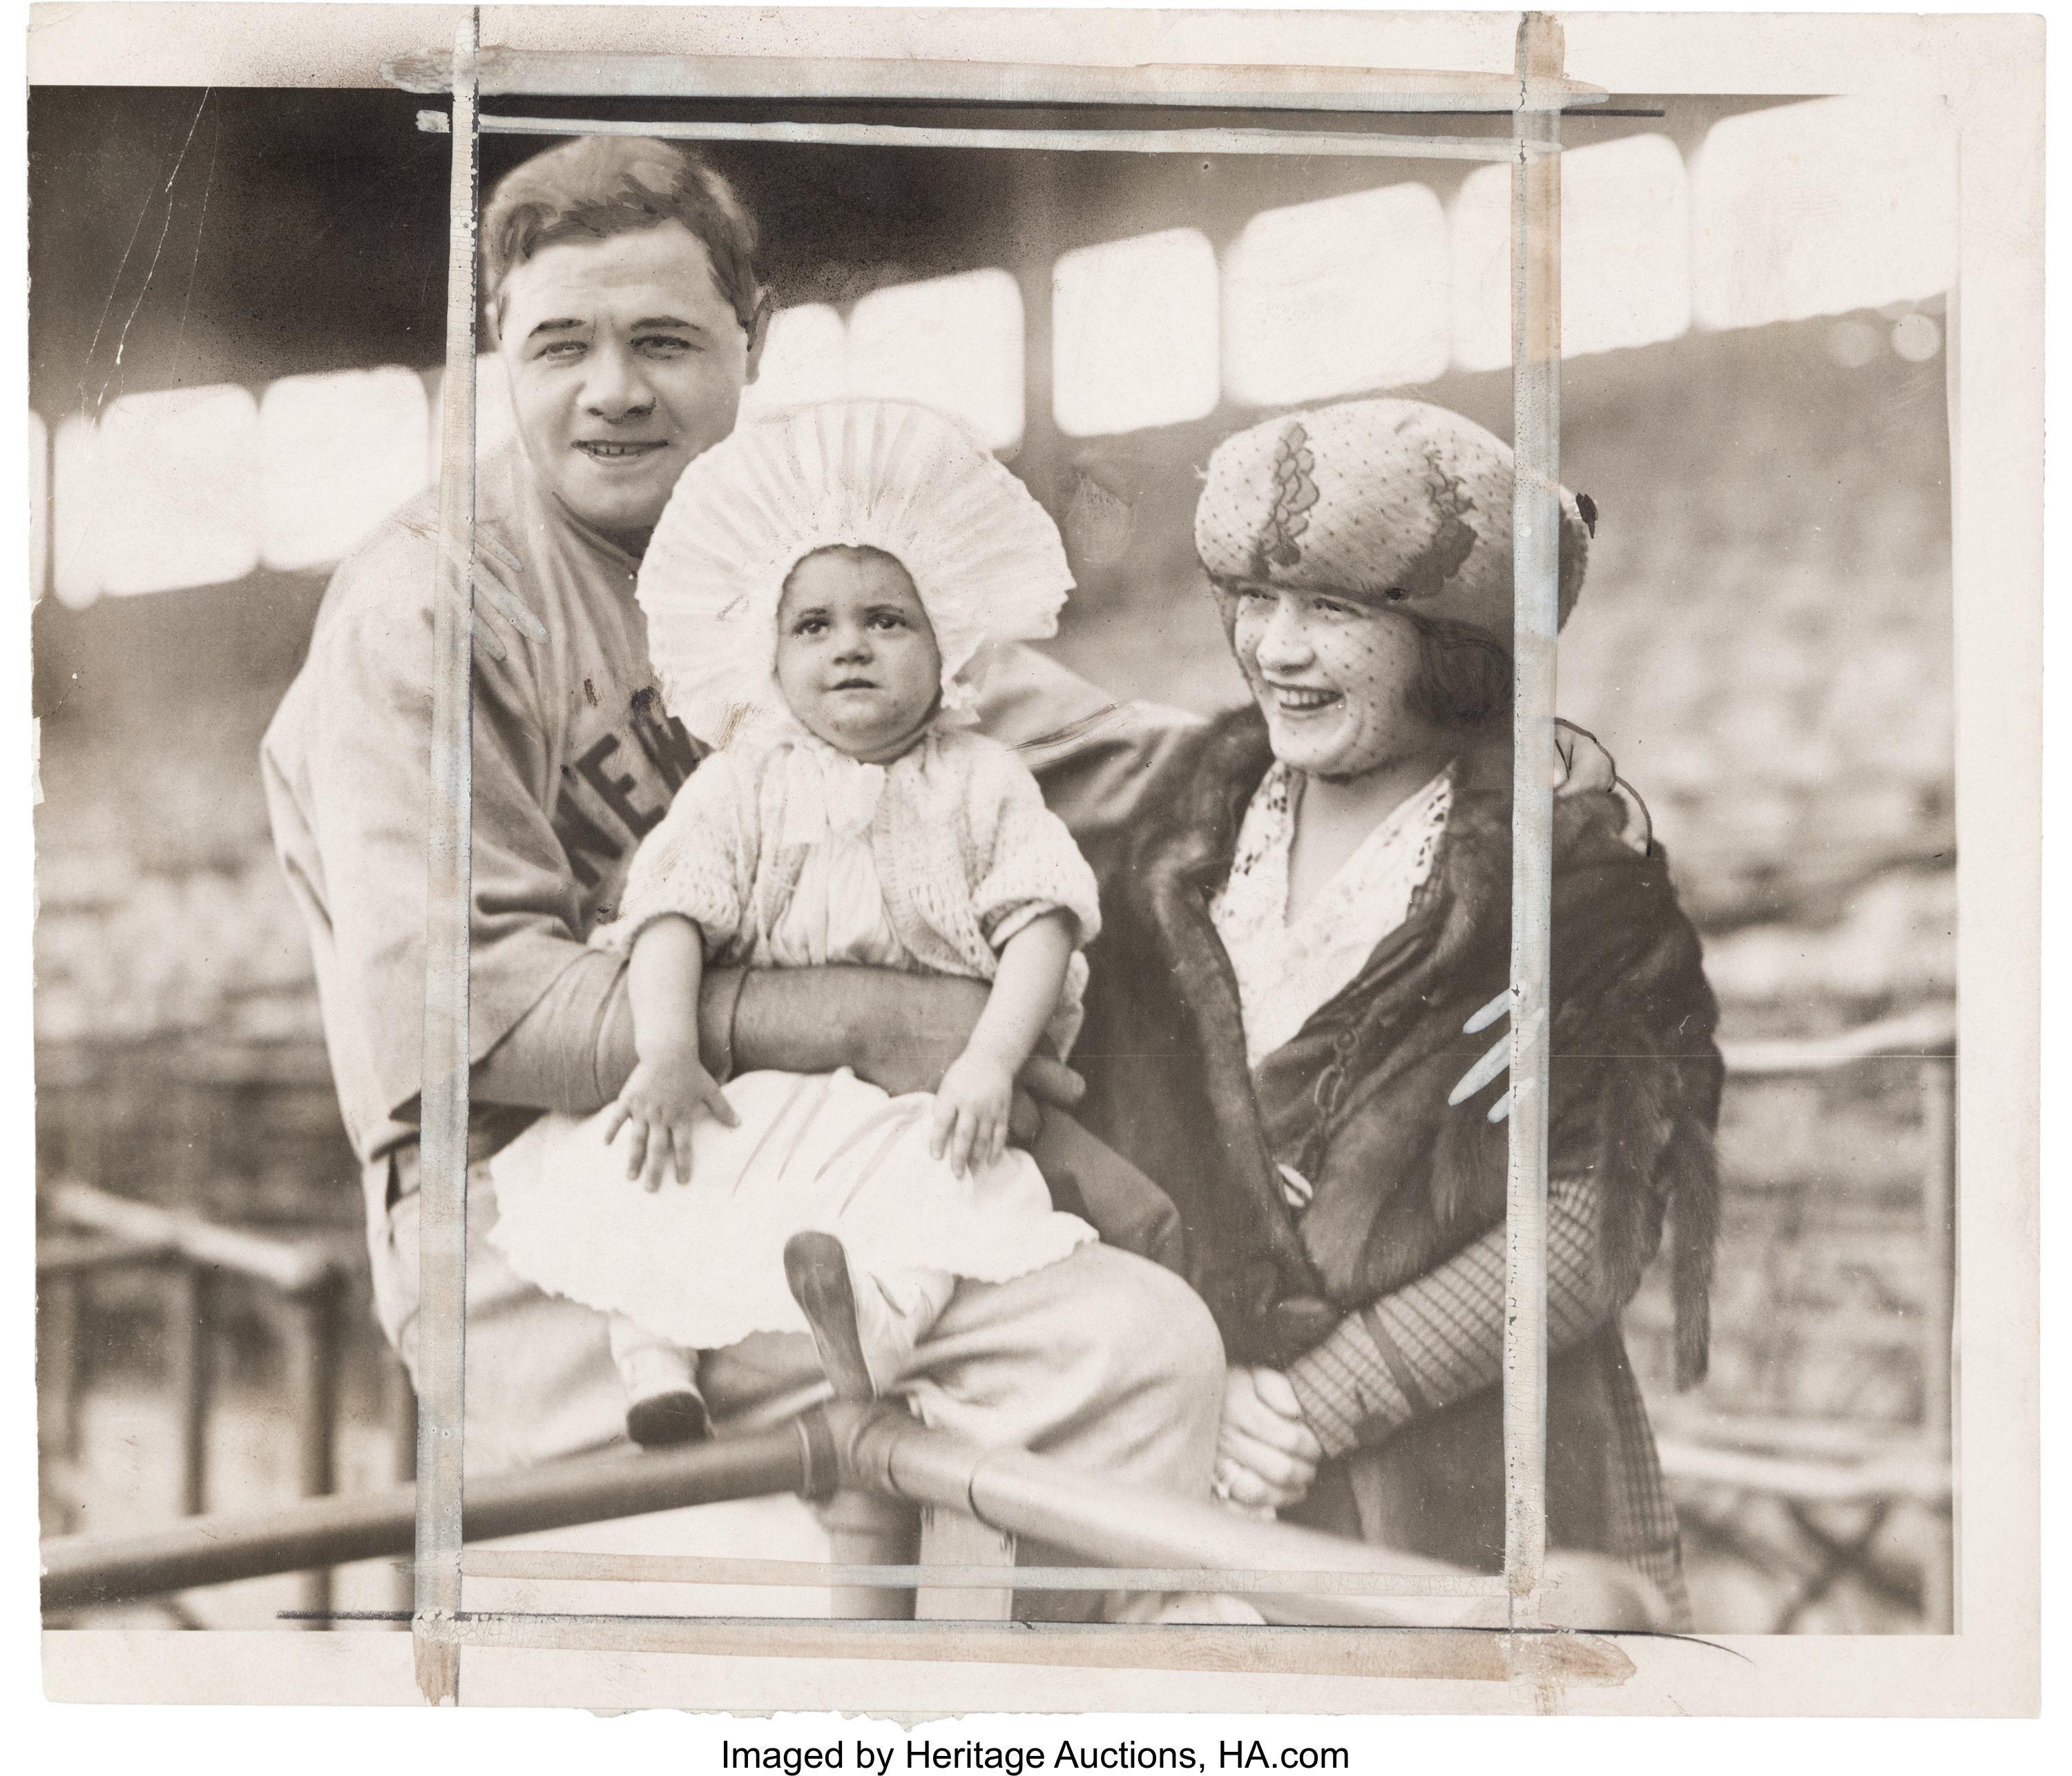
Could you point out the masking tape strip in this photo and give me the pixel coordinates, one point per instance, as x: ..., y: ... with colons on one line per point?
x: 1536, y: 271
x: 442, y: 1251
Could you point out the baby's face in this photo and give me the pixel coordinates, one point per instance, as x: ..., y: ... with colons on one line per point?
x: 856, y: 655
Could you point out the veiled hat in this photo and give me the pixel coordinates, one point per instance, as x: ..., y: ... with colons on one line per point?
x: 1396, y: 500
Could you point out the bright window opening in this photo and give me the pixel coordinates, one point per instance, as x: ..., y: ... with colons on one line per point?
x: 158, y: 494
x: 338, y: 454
x: 806, y: 358
x: 1625, y: 245
x: 954, y: 343
x: 39, y: 504
x: 1136, y: 339
x: 1626, y: 256
x: 1821, y: 208
x: 495, y: 425
x: 1331, y: 297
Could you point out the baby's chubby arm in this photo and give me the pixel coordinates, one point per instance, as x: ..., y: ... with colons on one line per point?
x: 973, y: 1101
x: 669, y: 1085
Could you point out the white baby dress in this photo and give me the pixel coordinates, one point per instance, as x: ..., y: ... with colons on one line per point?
x: 790, y: 854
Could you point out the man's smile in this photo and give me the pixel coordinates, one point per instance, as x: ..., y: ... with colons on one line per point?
x: 600, y: 451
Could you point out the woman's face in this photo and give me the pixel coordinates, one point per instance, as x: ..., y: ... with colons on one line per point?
x: 857, y: 658
x: 1333, y: 676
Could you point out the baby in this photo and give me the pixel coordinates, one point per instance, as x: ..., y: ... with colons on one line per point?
x: 817, y: 593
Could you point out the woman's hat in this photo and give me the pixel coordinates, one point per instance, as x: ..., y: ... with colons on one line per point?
x: 1397, y: 500
x: 986, y: 561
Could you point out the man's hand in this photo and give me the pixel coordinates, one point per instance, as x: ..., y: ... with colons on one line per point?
x: 663, y: 1101
x: 1588, y: 770
x: 971, y: 1107
x: 1049, y: 1082
x: 1266, y: 1453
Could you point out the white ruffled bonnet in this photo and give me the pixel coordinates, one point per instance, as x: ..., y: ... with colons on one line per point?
x: 985, y: 559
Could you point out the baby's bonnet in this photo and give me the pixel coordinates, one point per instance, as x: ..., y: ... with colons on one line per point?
x: 985, y: 559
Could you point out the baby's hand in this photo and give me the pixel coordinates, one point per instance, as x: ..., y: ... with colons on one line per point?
x: 662, y: 1101
x: 972, y: 1108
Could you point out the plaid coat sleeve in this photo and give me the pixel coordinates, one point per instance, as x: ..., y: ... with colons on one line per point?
x: 1440, y: 1339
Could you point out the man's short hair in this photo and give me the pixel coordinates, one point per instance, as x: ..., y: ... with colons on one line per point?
x: 596, y: 187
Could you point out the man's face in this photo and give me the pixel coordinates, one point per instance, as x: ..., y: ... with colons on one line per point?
x: 626, y: 362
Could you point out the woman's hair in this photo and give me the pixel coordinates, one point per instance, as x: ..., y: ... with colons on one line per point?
x: 596, y: 187
x: 1464, y: 677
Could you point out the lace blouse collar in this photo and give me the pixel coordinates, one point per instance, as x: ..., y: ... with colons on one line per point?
x: 1287, y: 970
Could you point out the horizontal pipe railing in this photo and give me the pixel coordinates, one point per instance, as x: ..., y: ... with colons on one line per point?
x: 302, y: 1281
x: 1143, y: 1539
x: 139, y: 1230
x: 80, y: 1571
x: 1928, y: 1033
x: 1138, y: 1538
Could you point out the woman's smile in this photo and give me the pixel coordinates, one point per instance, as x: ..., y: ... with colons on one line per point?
x: 1304, y: 699
x: 1332, y: 673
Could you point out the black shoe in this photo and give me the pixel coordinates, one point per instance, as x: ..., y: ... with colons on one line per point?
x: 661, y: 1422
x: 817, y: 1270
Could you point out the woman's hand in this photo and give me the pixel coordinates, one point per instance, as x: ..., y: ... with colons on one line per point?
x: 662, y: 1101
x: 1266, y: 1453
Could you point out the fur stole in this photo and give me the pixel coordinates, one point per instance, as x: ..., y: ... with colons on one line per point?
x: 1356, y: 1102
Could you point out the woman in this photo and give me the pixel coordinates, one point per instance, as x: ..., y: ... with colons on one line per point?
x: 1313, y: 913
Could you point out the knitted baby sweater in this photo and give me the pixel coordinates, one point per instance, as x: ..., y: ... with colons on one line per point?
x: 965, y: 854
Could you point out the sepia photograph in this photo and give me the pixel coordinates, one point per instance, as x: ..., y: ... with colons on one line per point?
x: 987, y: 679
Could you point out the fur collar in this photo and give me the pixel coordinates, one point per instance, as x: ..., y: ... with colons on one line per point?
x: 1627, y: 971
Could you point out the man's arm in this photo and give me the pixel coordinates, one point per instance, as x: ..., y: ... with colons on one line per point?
x: 899, y: 1031
x: 573, y: 1051
x: 361, y: 765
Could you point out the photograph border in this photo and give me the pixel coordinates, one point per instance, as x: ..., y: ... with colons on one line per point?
x: 1987, y: 73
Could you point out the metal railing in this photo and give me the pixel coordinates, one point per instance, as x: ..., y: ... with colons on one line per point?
x: 976, y: 1503
x: 1813, y: 1465
x: 301, y: 1284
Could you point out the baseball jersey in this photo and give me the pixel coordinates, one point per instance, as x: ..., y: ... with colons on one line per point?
x: 575, y: 760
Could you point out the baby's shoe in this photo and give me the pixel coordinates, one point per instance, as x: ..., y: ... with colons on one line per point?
x: 664, y: 1405
x: 854, y: 1329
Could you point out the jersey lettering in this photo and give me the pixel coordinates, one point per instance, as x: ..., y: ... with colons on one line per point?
x: 666, y: 745
x: 579, y: 834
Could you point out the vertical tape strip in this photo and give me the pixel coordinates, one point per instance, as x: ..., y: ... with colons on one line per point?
x: 442, y: 1251
x: 1535, y: 324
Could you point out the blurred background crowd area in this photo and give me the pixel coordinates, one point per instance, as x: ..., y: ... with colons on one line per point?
x: 236, y: 327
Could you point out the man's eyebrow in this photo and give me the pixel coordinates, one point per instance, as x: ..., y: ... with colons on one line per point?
x: 668, y: 320
x: 555, y: 327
